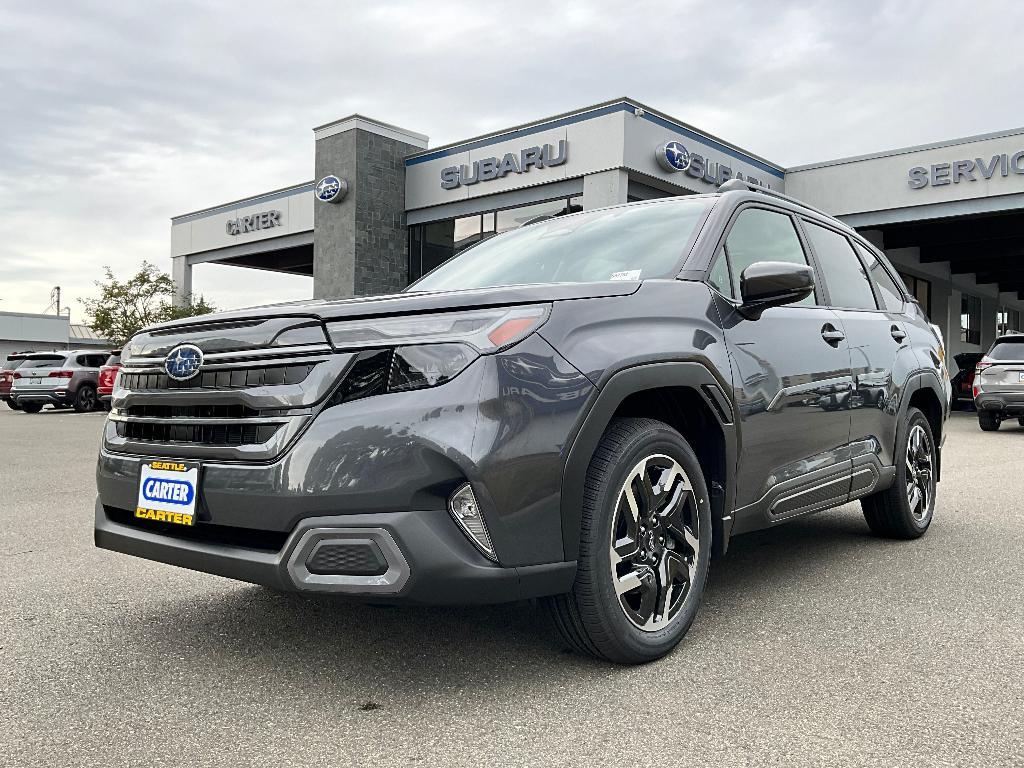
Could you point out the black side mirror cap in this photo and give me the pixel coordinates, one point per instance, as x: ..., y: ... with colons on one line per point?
x: 766, y: 284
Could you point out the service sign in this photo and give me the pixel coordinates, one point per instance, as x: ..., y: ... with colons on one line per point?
x: 167, y: 492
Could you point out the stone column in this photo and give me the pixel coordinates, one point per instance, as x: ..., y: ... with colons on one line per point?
x: 360, y: 245
x: 181, y: 273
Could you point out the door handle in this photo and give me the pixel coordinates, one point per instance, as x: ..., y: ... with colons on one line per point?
x: 831, y: 335
x: 897, y: 333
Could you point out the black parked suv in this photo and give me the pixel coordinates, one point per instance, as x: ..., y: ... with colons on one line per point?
x: 585, y: 410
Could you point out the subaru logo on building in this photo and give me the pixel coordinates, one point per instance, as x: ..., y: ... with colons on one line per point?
x: 673, y: 156
x: 183, y: 362
x: 331, y: 189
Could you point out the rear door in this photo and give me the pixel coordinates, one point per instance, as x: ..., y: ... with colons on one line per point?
x: 791, y: 379
x: 881, y: 356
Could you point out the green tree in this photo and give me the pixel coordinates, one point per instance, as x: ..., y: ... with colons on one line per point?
x: 124, y: 308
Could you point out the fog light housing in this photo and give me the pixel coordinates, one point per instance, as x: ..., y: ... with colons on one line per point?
x: 466, y: 512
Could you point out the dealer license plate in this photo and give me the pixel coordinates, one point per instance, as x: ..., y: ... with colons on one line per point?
x: 167, y: 492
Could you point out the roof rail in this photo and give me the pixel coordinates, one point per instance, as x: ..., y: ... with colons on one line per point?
x: 733, y: 185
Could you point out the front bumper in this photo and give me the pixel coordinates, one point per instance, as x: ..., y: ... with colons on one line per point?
x: 428, y: 559
x: 388, y: 463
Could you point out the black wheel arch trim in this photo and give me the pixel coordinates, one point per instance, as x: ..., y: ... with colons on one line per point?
x: 916, y: 381
x: 615, y: 387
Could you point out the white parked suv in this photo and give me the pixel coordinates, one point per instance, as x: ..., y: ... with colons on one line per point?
x: 62, y: 379
x: 999, y: 382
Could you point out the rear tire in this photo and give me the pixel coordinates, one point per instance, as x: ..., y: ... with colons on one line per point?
x: 12, y: 405
x: 85, y: 399
x: 31, y: 407
x: 645, y: 546
x: 1020, y: 420
x: 905, y: 509
x: 989, y: 421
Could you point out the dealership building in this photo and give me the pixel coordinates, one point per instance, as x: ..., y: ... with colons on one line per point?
x: 384, y: 207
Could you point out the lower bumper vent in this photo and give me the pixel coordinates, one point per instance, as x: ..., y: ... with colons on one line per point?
x: 347, y: 559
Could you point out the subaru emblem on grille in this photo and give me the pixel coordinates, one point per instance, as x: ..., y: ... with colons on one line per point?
x: 182, y: 362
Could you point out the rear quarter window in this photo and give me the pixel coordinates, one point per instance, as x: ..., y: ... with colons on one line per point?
x: 1007, y: 350
x: 43, y: 362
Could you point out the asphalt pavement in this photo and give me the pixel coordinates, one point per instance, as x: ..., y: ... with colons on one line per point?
x: 817, y: 645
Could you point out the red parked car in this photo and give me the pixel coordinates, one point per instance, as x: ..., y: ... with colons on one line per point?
x: 7, y: 377
x: 108, y: 373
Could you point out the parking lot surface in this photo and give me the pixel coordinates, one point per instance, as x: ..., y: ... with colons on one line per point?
x: 817, y: 645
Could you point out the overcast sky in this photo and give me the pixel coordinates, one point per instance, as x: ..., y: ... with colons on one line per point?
x: 115, y: 116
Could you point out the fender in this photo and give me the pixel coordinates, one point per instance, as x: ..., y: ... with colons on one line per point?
x: 714, y: 390
x: 923, y: 379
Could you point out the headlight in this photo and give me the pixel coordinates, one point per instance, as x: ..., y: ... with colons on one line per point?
x: 417, y: 351
x: 486, y: 330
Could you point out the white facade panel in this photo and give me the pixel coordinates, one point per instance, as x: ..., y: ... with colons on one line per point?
x: 50, y: 329
x: 286, y: 215
x: 951, y: 173
x: 593, y: 145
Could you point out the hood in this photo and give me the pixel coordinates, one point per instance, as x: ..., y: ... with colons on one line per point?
x: 266, y: 326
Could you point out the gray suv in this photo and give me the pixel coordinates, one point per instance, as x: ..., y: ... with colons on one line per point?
x: 586, y: 410
x: 62, y: 379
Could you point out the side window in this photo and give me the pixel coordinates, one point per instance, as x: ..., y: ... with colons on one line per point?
x: 848, y: 284
x: 82, y: 360
x: 892, y: 296
x: 762, y: 235
x: 719, y: 277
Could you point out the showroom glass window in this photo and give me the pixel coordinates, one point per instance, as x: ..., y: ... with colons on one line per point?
x: 970, y: 319
x: 761, y: 235
x: 920, y: 289
x: 1007, y: 321
x: 431, y: 245
x: 845, y: 276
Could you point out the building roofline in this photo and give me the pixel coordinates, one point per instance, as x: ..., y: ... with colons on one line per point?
x: 605, y: 106
x: 909, y: 150
x: 34, y: 314
x: 356, y: 120
x: 263, y: 196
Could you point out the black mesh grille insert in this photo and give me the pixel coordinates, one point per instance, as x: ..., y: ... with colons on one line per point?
x: 362, y: 558
x: 197, y: 434
x: 238, y: 378
x: 192, y: 411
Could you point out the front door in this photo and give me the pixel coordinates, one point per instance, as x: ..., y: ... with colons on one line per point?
x: 791, y: 381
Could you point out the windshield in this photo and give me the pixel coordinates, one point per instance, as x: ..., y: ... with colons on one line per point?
x: 631, y: 242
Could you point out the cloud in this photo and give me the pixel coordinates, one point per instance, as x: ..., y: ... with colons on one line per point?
x: 116, y: 116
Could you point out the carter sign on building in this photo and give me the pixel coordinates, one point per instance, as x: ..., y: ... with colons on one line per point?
x: 253, y: 223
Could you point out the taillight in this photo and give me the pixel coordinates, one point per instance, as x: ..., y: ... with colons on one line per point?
x: 61, y: 374
x: 15, y: 375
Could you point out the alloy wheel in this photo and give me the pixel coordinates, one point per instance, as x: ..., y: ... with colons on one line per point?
x: 920, y: 474
x: 655, y: 542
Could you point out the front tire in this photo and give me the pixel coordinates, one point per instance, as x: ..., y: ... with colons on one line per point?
x: 12, y: 405
x: 905, y: 509
x: 989, y: 421
x: 31, y: 407
x: 645, y: 546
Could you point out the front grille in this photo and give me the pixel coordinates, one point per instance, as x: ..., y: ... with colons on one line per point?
x: 196, y: 434
x: 236, y: 378
x: 209, y: 533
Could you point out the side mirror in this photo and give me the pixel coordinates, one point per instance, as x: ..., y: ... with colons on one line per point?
x: 766, y: 284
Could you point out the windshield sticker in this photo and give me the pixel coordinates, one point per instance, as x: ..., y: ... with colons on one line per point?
x: 629, y: 274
